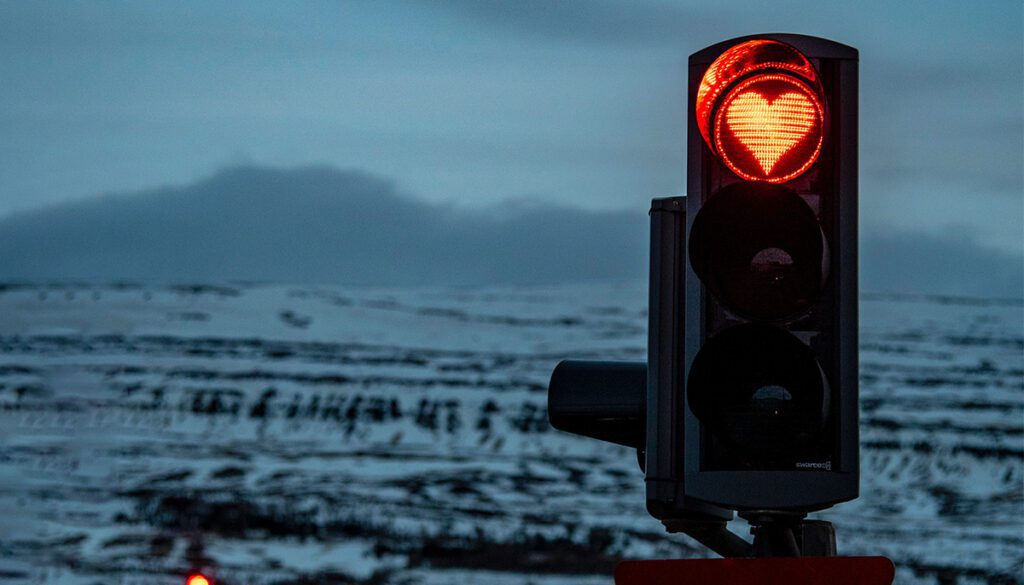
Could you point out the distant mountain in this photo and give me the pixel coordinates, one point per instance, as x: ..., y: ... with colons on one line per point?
x: 323, y: 225
x: 316, y: 225
x: 953, y: 264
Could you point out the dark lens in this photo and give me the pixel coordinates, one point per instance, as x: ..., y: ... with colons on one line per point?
x: 761, y: 392
x: 760, y: 251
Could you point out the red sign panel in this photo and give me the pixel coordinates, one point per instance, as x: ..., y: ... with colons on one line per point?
x: 769, y: 571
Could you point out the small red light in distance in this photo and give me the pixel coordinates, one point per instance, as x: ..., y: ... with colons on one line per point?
x: 198, y: 580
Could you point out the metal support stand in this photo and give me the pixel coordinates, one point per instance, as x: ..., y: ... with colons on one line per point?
x: 713, y: 534
x: 776, y: 534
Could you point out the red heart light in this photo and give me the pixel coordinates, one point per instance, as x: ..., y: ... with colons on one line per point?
x: 769, y: 128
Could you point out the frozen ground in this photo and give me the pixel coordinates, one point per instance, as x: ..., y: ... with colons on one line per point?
x: 275, y: 435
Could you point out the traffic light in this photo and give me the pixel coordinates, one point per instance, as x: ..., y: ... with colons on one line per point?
x: 752, y: 402
x: 751, y: 378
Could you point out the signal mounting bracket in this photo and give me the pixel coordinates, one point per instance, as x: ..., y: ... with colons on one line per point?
x: 776, y: 533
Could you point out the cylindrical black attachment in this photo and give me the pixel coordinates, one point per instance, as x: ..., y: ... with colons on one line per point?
x: 602, y: 400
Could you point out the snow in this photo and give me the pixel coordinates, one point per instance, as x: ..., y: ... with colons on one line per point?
x: 270, y: 434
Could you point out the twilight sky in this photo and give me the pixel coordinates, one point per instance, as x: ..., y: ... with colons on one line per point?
x: 470, y: 103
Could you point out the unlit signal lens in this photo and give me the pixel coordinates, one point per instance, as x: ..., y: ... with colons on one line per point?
x: 761, y: 391
x: 760, y: 251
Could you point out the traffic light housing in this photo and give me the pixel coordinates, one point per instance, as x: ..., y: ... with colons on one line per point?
x: 752, y: 400
x: 751, y: 379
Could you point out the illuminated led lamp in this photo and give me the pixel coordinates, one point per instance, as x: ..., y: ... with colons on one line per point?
x: 744, y: 59
x: 760, y: 109
x: 769, y: 128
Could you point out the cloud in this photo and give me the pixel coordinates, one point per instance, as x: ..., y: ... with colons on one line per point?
x: 316, y: 225
x: 952, y: 263
x: 322, y: 225
x: 599, y: 21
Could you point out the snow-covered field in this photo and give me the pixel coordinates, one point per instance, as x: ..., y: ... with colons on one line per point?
x: 329, y: 435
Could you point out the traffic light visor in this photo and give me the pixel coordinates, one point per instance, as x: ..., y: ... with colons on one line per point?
x: 760, y: 110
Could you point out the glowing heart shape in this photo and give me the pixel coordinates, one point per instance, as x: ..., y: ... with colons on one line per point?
x: 770, y: 129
